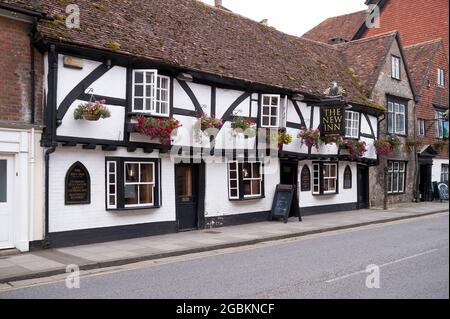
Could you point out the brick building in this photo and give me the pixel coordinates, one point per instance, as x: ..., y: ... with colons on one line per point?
x: 21, y: 93
x: 423, y: 27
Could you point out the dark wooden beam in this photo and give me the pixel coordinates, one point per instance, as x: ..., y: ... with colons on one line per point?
x: 90, y: 146
x: 109, y: 148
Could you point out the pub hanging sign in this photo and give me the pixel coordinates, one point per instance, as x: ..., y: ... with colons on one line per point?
x: 332, y: 120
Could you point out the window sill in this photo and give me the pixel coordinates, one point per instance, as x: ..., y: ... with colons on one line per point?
x: 326, y: 194
x: 132, y: 208
x: 393, y: 194
x: 246, y: 199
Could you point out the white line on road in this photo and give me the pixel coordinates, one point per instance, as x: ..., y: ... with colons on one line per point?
x: 383, y: 265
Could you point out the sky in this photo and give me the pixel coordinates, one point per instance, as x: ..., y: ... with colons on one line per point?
x: 292, y: 16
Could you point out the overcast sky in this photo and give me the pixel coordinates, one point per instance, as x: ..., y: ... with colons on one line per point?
x: 292, y: 16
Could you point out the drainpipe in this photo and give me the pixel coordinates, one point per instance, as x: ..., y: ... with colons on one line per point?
x: 49, y: 151
x: 33, y: 73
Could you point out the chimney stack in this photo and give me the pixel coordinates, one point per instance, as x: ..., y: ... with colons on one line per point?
x: 218, y: 3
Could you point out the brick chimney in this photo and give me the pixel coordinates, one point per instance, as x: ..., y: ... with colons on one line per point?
x: 218, y: 3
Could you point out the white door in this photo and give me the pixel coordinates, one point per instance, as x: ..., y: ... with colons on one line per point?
x: 6, y: 205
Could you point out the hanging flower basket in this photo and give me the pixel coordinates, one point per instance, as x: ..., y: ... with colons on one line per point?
x: 92, y: 111
x: 439, y: 145
x: 387, y: 145
x: 283, y: 138
x: 412, y: 144
x: 310, y: 137
x: 244, y: 125
x: 208, y: 124
x: 332, y: 140
x: 356, y: 148
x: 157, y: 128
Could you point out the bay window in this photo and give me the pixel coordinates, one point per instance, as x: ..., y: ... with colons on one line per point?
x: 150, y: 92
x: 396, y: 177
x: 270, y: 111
x: 245, y: 180
x: 132, y: 183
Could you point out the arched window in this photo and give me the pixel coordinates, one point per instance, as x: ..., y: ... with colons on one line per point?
x: 347, y: 178
x: 305, y: 179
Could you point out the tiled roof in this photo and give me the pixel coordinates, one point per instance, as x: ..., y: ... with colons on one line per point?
x: 192, y: 35
x: 367, y: 57
x: 340, y: 27
x: 420, y: 59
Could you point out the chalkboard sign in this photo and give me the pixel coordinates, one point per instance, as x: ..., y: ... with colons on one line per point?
x: 284, y: 202
x: 78, y: 185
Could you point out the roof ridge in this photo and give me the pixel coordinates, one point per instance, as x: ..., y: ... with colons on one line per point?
x: 346, y: 14
x: 437, y: 40
x: 378, y: 36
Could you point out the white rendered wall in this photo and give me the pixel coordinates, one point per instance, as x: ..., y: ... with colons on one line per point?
x: 436, y: 169
x: 94, y: 215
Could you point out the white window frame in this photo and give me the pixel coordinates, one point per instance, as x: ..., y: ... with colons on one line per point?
x: 139, y: 183
x: 440, y: 77
x: 326, y: 179
x: 439, y: 120
x: 159, y: 90
x: 421, y: 128
x: 109, y: 184
x: 352, y: 119
x: 395, y: 70
x: 230, y: 188
x: 398, y: 169
x: 393, y: 117
x: 444, y: 173
x: 270, y: 106
x: 251, y: 179
x: 152, y: 99
x: 316, y: 179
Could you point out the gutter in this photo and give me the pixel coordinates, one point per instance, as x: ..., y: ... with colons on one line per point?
x: 28, y: 12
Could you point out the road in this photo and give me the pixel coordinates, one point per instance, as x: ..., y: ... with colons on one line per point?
x: 412, y: 256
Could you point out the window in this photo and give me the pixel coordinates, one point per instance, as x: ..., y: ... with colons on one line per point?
x: 395, y: 67
x: 444, y: 173
x: 131, y: 183
x: 352, y: 124
x: 150, y: 92
x: 396, y: 118
x: 440, y: 77
x: 245, y: 180
x: 325, y: 178
x: 347, y: 178
x: 270, y: 110
x: 422, y: 131
x: 439, y: 120
x: 396, y: 177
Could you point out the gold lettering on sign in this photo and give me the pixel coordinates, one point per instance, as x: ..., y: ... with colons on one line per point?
x: 332, y: 118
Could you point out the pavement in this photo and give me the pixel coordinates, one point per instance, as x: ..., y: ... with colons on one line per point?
x: 45, y: 263
x: 397, y: 260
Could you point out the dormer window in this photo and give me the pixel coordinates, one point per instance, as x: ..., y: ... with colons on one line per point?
x: 150, y: 92
x: 396, y: 67
x: 270, y: 111
x: 441, y: 77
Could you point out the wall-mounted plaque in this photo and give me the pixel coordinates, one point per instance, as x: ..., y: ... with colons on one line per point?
x: 332, y: 120
x: 78, y: 185
x: 305, y: 179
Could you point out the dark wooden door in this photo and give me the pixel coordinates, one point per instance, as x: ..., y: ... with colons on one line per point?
x: 363, y: 187
x: 425, y: 185
x: 288, y: 173
x: 187, y: 196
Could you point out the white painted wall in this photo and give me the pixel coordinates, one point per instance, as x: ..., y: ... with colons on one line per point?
x: 307, y: 199
x: 216, y: 197
x: 436, y: 169
x: 94, y: 215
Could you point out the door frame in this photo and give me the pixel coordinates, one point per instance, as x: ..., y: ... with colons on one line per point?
x: 10, y: 197
x: 200, y: 194
x: 293, y: 163
x: 427, y: 195
x: 366, y: 204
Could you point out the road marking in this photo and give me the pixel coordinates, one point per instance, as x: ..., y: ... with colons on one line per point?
x: 383, y: 265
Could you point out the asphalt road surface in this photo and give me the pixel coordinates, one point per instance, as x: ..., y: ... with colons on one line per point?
x: 412, y: 258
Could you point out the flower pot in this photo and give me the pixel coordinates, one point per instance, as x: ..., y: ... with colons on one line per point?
x: 91, y: 117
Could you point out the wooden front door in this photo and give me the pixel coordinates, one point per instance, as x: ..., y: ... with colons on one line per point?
x: 187, y: 199
x: 363, y: 187
x: 6, y: 202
